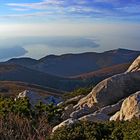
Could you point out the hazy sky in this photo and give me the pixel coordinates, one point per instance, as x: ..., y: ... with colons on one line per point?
x: 68, y: 10
x: 111, y: 23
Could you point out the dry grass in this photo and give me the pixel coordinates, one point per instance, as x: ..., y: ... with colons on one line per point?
x: 107, y: 71
x: 14, y: 127
x: 14, y: 88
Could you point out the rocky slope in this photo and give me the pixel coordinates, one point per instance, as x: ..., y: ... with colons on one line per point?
x: 109, y: 97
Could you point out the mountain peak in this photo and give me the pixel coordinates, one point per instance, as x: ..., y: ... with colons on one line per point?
x: 121, y: 50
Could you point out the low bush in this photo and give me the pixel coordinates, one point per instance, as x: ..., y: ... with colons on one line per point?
x: 20, y: 121
x: 129, y: 130
x: 76, y: 92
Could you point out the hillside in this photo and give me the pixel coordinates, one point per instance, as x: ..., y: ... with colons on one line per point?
x: 104, y: 72
x: 88, y: 69
x: 13, y: 72
x: 8, y: 88
x: 25, y: 61
x: 68, y: 65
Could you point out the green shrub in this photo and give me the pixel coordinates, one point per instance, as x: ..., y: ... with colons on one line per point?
x: 80, y: 91
x: 18, y: 120
x: 100, y: 131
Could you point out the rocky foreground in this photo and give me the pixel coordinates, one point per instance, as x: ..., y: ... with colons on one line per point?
x: 115, y: 98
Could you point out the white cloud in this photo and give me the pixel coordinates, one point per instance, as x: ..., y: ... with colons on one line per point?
x: 19, y: 9
x: 38, y: 5
x: 78, y: 8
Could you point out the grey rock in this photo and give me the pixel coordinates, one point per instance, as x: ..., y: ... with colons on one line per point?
x: 67, y: 111
x: 35, y: 98
x: 67, y: 122
x: 130, y: 108
x: 95, y: 117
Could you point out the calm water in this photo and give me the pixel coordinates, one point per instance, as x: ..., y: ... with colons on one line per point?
x: 37, y: 47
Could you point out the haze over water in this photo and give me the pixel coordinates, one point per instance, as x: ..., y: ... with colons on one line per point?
x: 37, y: 28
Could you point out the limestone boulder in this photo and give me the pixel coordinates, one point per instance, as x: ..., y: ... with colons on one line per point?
x: 135, y: 65
x: 35, y: 98
x: 95, y: 117
x: 111, y: 90
x: 67, y: 122
x: 82, y: 112
x: 74, y: 99
x: 115, y: 117
x: 111, y: 109
x: 130, y: 108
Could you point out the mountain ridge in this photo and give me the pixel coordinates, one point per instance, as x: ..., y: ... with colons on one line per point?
x: 36, y: 71
x: 68, y: 65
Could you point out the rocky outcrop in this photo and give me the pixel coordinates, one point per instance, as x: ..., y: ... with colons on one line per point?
x: 111, y: 109
x: 67, y: 122
x: 109, y: 96
x: 113, y: 89
x: 115, y: 117
x: 130, y: 108
x: 108, y: 92
x: 67, y: 111
x: 135, y: 65
x: 34, y: 98
x: 69, y: 106
x: 95, y: 117
x: 100, y: 115
x: 82, y: 111
x: 74, y: 100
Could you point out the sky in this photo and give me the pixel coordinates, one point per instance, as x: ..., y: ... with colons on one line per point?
x: 110, y: 23
x: 67, y: 10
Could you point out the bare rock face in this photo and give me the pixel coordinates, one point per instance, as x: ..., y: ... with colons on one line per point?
x: 74, y: 99
x: 82, y: 111
x: 95, y: 117
x: 67, y: 111
x: 67, y: 122
x: 107, y: 110
x: 34, y: 98
x: 115, y: 117
x: 109, y: 91
x: 135, y: 65
x: 130, y: 108
x: 111, y: 109
x: 70, y: 106
x: 110, y: 96
x: 113, y: 89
